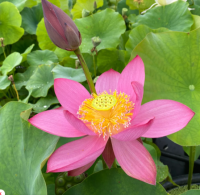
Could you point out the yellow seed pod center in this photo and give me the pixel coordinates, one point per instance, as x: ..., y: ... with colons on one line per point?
x: 104, y: 102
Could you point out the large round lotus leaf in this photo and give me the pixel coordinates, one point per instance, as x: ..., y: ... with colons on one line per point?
x: 196, y: 22
x: 172, y: 69
x: 43, y: 37
x: 112, y: 58
x: 11, y: 62
x: 84, y: 4
x: 10, y: 22
x: 69, y: 73
x: 4, y: 82
x: 140, y: 4
x: 41, y: 80
x: 44, y: 103
x: 31, y: 17
x: 23, y: 149
x: 20, y: 4
x: 108, y: 25
x: 191, y: 192
x: 138, y: 34
x: 31, y: 3
x: 39, y: 57
x: 114, y: 182
x: 175, y: 16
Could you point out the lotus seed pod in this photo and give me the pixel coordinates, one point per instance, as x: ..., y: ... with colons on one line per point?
x: 96, y: 41
x: 60, y: 181
x: 79, y: 178
x: 85, y: 13
x: 67, y: 177
x: 124, y: 11
x: 60, y: 191
x: 68, y: 185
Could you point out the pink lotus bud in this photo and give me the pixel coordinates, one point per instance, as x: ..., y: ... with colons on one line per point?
x: 60, y: 27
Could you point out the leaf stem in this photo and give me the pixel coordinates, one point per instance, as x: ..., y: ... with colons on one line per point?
x: 16, y: 91
x: 191, y: 165
x: 114, y: 164
x: 85, y: 70
x: 104, y: 163
x: 4, y: 52
x: 94, y: 63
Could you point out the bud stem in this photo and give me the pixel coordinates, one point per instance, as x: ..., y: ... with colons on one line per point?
x: 86, y: 71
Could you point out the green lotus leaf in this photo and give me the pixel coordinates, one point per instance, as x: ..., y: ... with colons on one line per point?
x: 26, y: 52
x: 31, y: 17
x: 43, y: 37
x: 196, y: 22
x: 4, y: 82
x: 31, y: 3
x: 109, y: 32
x: 20, y: 4
x: 21, y: 79
x: 84, y: 4
x: 172, y: 71
x: 197, y: 151
x: 10, y: 22
x: 140, y: 4
x: 138, y: 34
x: 114, y: 181
x: 22, y: 151
x: 44, y: 103
x: 11, y: 62
x: 39, y: 57
x: 112, y: 58
x: 191, y: 192
x: 40, y: 81
x: 174, y: 16
x: 69, y: 73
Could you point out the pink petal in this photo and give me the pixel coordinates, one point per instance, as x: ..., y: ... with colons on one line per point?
x: 138, y: 89
x: 54, y: 122
x: 108, y: 154
x: 170, y: 117
x: 107, y: 81
x: 77, y: 123
x: 76, y: 154
x: 70, y: 94
x: 135, y: 160
x: 80, y: 170
x: 134, y: 132
x: 134, y: 71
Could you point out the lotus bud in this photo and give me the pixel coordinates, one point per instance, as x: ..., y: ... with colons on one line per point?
x: 96, y: 41
x: 11, y: 79
x: 1, y: 40
x: 124, y: 11
x: 95, y: 5
x: 85, y: 13
x: 77, y: 63
x: 60, y: 27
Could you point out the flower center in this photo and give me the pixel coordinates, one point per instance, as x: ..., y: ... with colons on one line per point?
x: 104, y: 102
x: 107, y: 114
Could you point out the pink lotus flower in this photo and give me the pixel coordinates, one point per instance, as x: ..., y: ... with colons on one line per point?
x: 111, y: 122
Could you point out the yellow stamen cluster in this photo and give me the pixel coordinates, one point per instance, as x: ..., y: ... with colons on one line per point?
x: 107, y: 114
